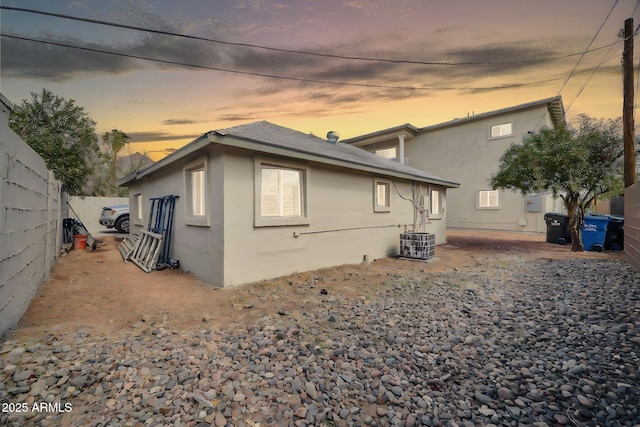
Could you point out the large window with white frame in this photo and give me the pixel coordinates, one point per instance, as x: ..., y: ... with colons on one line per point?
x: 195, y: 177
x: 280, y: 194
x: 488, y: 199
x: 501, y: 130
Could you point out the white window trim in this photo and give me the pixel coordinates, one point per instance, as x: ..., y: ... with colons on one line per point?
x: 500, y: 136
x: 272, y: 221
x: 377, y: 207
x: 138, y: 203
x: 190, y: 218
x: 478, y: 206
x: 436, y: 215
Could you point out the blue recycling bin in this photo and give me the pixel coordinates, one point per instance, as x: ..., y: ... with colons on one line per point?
x: 594, y: 232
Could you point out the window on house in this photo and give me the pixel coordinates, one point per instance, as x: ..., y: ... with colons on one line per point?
x: 499, y: 131
x: 137, y: 199
x: 488, y: 199
x: 280, y: 195
x: 434, y: 207
x: 382, y: 195
x: 388, y: 153
x: 195, y: 175
x: 197, y: 192
x: 281, y: 192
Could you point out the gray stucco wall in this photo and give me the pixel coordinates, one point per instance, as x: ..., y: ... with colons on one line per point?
x: 30, y: 223
x: 230, y: 250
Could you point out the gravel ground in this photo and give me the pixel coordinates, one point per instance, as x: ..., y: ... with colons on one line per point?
x: 544, y: 343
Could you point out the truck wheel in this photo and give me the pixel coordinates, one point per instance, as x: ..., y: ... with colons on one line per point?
x: 122, y: 224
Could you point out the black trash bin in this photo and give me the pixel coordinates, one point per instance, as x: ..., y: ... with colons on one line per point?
x: 614, y: 238
x: 557, y: 228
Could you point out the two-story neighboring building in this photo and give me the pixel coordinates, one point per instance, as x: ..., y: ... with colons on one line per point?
x: 468, y: 151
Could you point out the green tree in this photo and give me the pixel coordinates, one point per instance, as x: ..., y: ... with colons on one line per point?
x: 576, y: 164
x: 61, y: 132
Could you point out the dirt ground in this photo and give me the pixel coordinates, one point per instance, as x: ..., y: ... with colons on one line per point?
x: 94, y: 290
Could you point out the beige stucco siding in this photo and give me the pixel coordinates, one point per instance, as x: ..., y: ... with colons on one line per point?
x: 466, y: 154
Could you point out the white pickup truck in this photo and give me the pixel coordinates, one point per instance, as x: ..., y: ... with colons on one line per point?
x: 116, y: 217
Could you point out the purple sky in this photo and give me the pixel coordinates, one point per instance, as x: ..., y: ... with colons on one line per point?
x: 369, y: 64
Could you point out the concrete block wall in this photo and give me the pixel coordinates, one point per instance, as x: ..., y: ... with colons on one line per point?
x: 30, y: 223
x: 90, y: 208
x: 632, y: 225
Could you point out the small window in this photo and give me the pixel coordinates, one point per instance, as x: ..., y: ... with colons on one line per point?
x: 499, y: 131
x: 137, y: 199
x: 197, y: 192
x: 434, y: 208
x: 280, y: 195
x: 382, y: 195
x: 488, y: 199
x: 195, y: 175
x: 388, y: 153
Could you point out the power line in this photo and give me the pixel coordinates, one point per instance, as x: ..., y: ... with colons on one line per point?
x: 273, y: 76
x: 205, y: 67
x: 573, y: 71
x: 300, y: 52
x: 586, y: 50
x: 594, y: 70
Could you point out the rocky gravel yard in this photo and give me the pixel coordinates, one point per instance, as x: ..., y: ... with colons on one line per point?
x: 509, y: 335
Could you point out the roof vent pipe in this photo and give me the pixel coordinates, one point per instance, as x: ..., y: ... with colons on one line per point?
x: 332, y: 136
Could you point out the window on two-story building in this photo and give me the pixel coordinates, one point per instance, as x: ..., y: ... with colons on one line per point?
x: 488, y: 199
x: 501, y: 130
x: 388, y: 153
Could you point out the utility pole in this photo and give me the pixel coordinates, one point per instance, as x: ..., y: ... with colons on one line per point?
x: 627, y: 106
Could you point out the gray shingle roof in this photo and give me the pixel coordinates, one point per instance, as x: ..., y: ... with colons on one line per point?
x: 269, y: 134
x: 269, y: 138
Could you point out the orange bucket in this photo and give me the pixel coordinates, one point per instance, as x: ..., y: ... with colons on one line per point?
x: 80, y: 241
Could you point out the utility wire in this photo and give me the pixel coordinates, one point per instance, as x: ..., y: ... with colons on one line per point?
x: 594, y: 70
x: 573, y: 71
x: 205, y: 67
x: 301, y: 52
x: 587, y: 49
x: 272, y: 76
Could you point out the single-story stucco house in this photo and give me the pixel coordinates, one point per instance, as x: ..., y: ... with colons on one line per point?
x: 259, y: 201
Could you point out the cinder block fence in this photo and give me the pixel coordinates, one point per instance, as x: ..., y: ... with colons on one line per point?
x: 30, y: 222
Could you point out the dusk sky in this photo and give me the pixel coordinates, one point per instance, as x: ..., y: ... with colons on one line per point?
x: 354, y: 66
